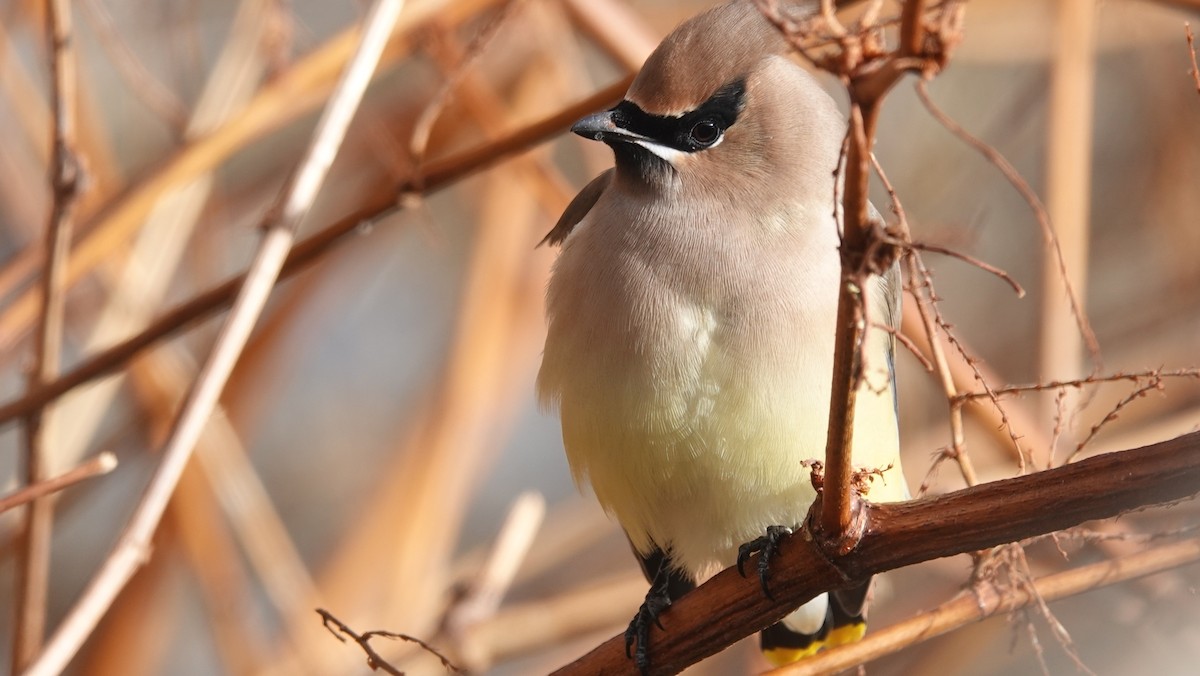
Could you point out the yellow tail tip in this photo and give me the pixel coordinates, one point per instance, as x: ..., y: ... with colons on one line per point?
x: 849, y: 633
x: 781, y: 657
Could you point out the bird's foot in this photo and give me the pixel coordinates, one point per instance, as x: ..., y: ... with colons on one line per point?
x: 766, y: 547
x: 657, y: 600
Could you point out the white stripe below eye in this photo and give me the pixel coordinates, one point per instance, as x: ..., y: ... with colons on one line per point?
x: 668, y: 154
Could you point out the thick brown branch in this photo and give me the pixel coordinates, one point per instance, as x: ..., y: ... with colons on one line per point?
x: 730, y: 607
x: 847, y: 362
x: 861, y: 254
x: 980, y: 604
x: 912, y: 28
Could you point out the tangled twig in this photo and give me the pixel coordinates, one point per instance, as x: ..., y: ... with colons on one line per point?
x: 341, y: 632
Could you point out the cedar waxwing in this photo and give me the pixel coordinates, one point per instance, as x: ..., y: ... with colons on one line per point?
x: 691, y: 317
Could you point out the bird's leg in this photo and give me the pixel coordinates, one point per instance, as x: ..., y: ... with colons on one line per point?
x: 765, y: 546
x: 658, y: 599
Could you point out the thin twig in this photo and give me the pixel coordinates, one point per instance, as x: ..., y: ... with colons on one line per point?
x: 340, y: 631
x: 280, y: 226
x: 1060, y: 412
x: 908, y: 343
x: 1155, y: 383
x: 33, y: 561
x: 101, y: 464
x: 905, y: 241
x: 1027, y: 584
x: 931, y: 320
x: 436, y: 175
x: 1039, y: 652
x: 1035, y: 204
x: 925, y: 295
x: 973, y: 261
x: 1131, y: 376
x: 977, y: 372
x: 293, y: 94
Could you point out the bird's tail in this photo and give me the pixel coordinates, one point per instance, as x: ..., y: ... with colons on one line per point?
x: 827, y: 621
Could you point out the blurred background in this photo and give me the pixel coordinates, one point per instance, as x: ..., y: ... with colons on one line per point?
x: 380, y: 435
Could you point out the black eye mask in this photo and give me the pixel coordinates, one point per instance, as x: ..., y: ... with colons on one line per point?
x: 693, y: 131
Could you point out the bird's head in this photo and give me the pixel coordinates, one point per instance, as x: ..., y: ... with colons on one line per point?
x: 720, y: 109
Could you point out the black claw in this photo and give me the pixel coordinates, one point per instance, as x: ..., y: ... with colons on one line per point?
x: 764, y: 564
x: 657, y: 600
x: 766, y: 546
x: 744, y: 553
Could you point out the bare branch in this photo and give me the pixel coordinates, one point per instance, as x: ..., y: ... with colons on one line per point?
x: 968, y: 371
x: 971, y: 260
x: 912, y: 28
x: 981, y: 603
x: 868, y: 72
x: 1155, y: 383
x: 921, y: 285
x: 97, y: 466
x: 1035, y: 203
x: 435, y: 175
x: 1068, y: 185
x: 1131, y: 376
x: 280, y: 225
x: 301, y: 88
x: 847, y: 358
x: 33, y: 561
x: 1027, y: 585
x: 908, y: 343
x: 374, y: 660
x: 902, y: 534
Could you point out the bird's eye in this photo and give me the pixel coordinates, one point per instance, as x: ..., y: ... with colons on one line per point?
x: 705, y: 133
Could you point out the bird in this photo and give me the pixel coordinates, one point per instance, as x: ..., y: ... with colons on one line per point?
x: 691, y: 315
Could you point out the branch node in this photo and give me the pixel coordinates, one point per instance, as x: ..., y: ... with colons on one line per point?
x: 834, y: 546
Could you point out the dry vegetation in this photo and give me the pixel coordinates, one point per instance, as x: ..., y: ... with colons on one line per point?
x: 376, y: 454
